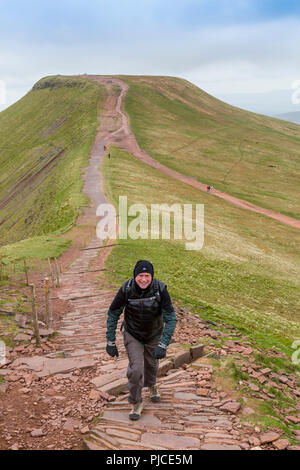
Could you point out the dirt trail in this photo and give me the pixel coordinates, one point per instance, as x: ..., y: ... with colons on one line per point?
x: 126, y: 140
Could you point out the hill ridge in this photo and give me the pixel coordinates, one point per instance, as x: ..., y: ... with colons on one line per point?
x: 127, y: 141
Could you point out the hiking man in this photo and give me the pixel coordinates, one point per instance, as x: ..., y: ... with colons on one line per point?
x: 147, y: 307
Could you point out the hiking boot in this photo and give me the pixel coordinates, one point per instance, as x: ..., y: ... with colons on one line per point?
x: 136, y: 411
x: 154, y: 393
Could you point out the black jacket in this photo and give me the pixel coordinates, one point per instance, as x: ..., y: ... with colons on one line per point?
x: 146, y: 311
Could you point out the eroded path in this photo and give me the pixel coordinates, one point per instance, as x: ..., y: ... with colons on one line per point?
x: 124, y: 138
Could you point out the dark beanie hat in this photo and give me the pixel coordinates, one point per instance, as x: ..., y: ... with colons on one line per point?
x: 143, y: 266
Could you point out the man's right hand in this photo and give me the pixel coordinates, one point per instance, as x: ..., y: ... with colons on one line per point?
x: 112, y: 349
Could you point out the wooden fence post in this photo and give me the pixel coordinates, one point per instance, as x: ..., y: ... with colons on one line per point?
x: 26, y: 272
x: 35, y: 318
x: 57, y: 273
x: 51, y: 273
x: 51, y: 311
x: 47, y: 302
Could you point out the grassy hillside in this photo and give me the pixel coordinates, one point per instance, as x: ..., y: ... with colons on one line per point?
x: 45, y: 142
x: 254, y: 157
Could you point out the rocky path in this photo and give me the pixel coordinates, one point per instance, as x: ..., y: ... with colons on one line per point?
x: 186, y: 417
x: 189, y: 415
x: 193, y: 412
x: 182, y: 420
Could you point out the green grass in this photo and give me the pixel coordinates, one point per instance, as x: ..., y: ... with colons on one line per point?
x: 266, y: 417
x: 244, y: 276
x: 11, y: 329
x: 43, y: 247
x: 45, y: 143
x: 250, y: 156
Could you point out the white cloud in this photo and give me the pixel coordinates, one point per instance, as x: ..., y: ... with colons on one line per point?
x: 248, y: 58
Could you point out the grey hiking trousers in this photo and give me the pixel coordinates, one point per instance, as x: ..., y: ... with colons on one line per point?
x: 142, y: 367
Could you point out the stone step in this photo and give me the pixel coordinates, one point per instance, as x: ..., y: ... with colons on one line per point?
x: 219, y: 447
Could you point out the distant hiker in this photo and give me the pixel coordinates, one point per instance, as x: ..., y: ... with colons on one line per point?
x: 108, y: 155
x: 148, y: 307
x: 104, y: 148
x: 208, y: 188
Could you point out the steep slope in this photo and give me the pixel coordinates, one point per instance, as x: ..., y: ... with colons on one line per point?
x: 45, y: 142
x: 250, y: 156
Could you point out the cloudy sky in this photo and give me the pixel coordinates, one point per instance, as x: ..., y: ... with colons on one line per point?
x: 230, y: 48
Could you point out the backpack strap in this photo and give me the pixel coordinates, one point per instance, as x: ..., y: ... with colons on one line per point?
x: 126, y: 288
x: 159, y: 286
x: 156, y: 290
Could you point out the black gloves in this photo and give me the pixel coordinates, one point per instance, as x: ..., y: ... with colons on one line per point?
x: 112, y: 349
x: 160, y: 351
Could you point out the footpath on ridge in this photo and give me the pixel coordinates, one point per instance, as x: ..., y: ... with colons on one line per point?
x: 125, y: 139
x: 76, y: 395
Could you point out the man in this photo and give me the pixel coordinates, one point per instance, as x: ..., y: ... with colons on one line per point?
x: 147, y: 307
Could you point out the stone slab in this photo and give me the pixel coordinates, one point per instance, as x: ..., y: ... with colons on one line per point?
x: 172, y: 441
x: 198, y: 419
x: 44, y: 366
x: 196, y: 351
x: 232, y: 407
x: 106, y: 438
x: 172, y: 376
x: 181, y: 358
x: 219, y: 447
x: 267, y: 437
x: 22, y: 337
x: 46, y: 332
x: 123, y: 434
x: 102, y: 380
x: 66, y: 333
x: 91, y: 445
x: 188, y: 396
x: 164, y: 367
x: 145, y: 419
x: 116, y: 387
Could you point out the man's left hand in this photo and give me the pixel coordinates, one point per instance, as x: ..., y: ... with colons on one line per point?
x: 160, y: 351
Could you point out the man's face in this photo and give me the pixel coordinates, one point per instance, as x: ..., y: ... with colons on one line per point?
x: 143, y: 280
